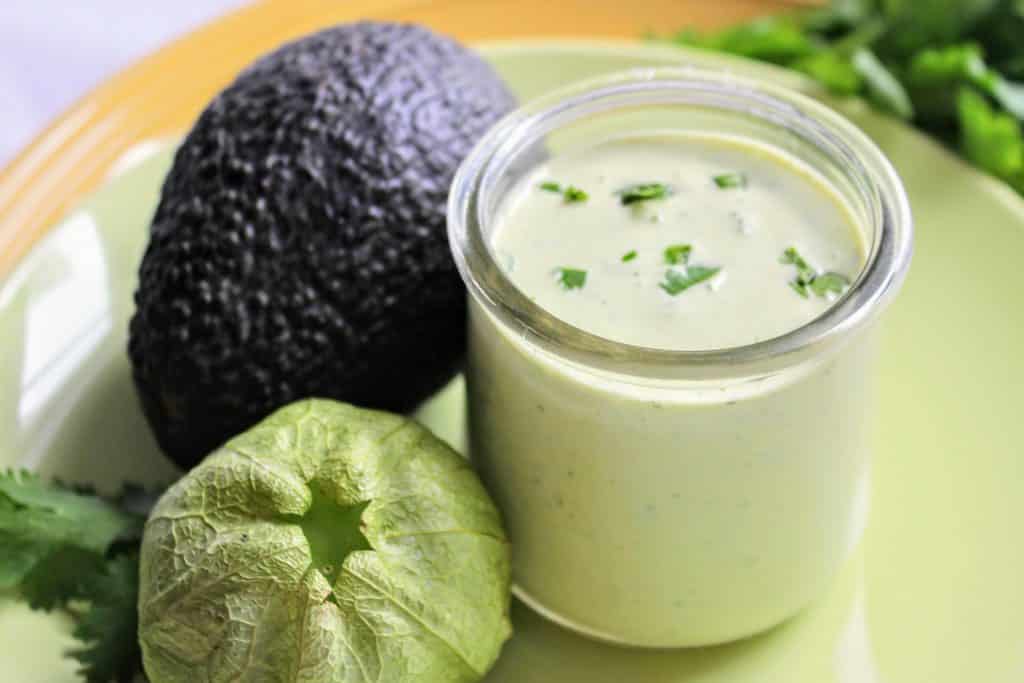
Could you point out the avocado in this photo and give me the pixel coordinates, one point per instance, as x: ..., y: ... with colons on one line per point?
x: 299, y: 245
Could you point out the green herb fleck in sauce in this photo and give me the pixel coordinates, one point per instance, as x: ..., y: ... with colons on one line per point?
x: 808, y: 279
x: 570, y: 193
x: 571, y: 278
x: 643, y: 192
x: 678, y: 253
x: 629, y: 256
x: 827, y: 283
x: 574, y: 194
x: 729, y: 181
x: 678, y: 280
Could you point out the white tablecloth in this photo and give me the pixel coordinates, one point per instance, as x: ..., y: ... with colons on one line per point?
x: 53, y: 51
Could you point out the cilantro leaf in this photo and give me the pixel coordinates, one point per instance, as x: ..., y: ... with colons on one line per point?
x: 629, y: 256
x: 59, y: 578
x: 964, y: 64
x: 993, y: 140
x: 643, y: 192
x: 108, y: 628
x: 804, y: 272
x: 908, y: 58
x: 728, y: 181
x: 65, y: 547
x: 947, y: 65
x: 914, y: 24
x: 832, y: 70
x: 809, y: 280
x: 571, y: 278
x: 881, y: 86
x: 829, y: 283
x: 570, y: 193
x: 38, y: 520
x: 574, y: 194
x: 678, y: 281
x: 771, y: 39
x: 678, y: 253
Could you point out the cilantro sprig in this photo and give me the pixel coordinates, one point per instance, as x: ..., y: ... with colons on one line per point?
x: 70, y: 549
x: 954, y: 68
x: 808, y: 280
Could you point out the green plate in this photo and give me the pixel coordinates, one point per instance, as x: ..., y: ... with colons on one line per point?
x: 935, y: 594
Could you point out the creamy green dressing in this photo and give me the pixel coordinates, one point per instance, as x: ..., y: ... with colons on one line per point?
x: 672, y: 513
x: 762, y: 204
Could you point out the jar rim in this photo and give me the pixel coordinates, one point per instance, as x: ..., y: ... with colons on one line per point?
x: 781, y: 107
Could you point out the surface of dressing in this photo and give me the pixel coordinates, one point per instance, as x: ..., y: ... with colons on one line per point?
x: 730, y: 204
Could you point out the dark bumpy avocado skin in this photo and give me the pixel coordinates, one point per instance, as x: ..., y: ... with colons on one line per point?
x: 299, y: 246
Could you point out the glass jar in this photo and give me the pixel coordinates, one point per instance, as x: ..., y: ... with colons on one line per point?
x: 667, y: 498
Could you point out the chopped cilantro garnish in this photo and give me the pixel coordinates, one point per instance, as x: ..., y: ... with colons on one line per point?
x: 805, y: 274
x: 728, y: 181
x: 808, y: 279
x: 570, y: 193
x: 643, y: 192
x: 571, y: 278
x: 678, y: 281
x: 629, y: 256
x: 829, y: 283
x: 678, y: 253
x: 574, y: 194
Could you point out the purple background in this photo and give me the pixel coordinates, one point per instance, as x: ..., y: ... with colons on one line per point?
x: 54, y: 51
